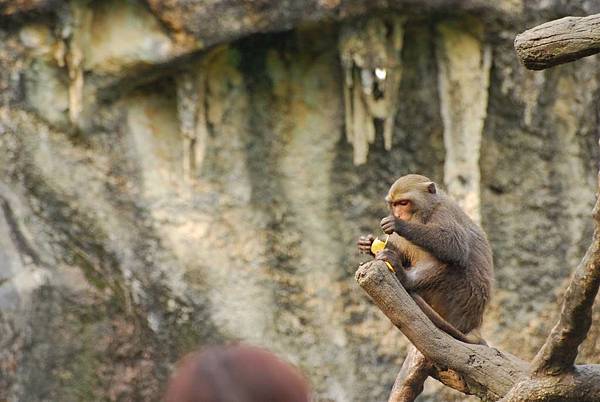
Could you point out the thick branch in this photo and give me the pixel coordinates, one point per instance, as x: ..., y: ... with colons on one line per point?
x: 487, y: 372
x: 580, y: 385
x: 560, y: 349
x: 559, y: 41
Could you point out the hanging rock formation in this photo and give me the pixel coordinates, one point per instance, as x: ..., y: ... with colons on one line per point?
x: 370, y: 53
x: 464, y: 63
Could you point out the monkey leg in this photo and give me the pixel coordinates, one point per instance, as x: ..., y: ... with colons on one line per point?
x: 409, y: 382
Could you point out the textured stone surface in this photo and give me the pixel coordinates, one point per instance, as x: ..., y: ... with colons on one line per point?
x: 464, y: 64
x: 115, y: 259
x: 15, y: 7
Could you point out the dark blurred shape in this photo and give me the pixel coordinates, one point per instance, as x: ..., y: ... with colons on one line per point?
x: 236, y: 373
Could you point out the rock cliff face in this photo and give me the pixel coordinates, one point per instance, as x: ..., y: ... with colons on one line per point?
x: 174, y: 175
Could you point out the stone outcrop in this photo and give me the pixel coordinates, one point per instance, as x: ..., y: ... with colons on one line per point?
x: 177, y: 173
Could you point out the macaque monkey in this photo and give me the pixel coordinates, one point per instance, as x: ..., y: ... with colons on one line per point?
x: 443, y: 259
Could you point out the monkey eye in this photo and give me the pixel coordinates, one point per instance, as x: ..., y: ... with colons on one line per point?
x: 401, y: 202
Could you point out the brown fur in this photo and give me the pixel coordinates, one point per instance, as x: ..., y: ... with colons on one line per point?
x: 414, y: 257
x: 448, y: 269
x: 450, y: 258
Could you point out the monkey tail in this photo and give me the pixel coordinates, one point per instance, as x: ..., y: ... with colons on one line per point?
x: 444, y: 325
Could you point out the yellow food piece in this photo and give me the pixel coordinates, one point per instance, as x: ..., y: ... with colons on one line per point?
x: 379, y: 245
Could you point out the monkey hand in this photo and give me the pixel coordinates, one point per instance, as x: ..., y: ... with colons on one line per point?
x: 364, y: 244
x: 391, y: 257
x: 389, y: 224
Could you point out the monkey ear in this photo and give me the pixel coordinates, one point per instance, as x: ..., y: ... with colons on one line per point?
x: 431, y: 188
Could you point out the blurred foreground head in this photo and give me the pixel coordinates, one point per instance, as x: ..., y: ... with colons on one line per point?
x: 236, y: 374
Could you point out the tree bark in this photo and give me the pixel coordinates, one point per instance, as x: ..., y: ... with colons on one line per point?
x: 409, y: 382
x: 560, y: 41
x: 582, y: 384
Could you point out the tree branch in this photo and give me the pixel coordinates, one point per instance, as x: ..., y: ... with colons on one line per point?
x: 560, y: 349
x: 559, y: 41
x: 580, y: 385
x: 487, y: 372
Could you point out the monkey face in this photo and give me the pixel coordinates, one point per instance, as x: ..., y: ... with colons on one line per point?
x: 410, y: 197
x: 402, y: 209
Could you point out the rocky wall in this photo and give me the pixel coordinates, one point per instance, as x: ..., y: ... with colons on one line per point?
x: 158, y: 194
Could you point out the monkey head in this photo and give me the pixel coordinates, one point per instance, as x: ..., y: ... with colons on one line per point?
x: 412, y: 197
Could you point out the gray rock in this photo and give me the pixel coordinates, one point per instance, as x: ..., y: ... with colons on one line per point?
x: 225, y: 206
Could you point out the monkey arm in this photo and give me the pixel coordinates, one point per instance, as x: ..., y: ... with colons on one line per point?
x: 425, y: 273
x: 448, y: 243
